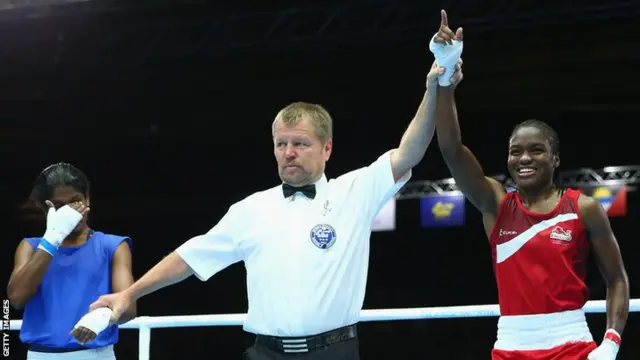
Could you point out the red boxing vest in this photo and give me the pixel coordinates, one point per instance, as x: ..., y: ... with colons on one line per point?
x: 540, y: 260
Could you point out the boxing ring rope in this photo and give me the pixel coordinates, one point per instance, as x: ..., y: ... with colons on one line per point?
x: 145, y: 323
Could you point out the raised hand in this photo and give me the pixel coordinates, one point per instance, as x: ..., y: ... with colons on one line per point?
x: 61, y: 223
x: 445, y: 35
x: 446, y: 47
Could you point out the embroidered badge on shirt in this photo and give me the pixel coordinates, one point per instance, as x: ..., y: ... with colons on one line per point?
x: 323, y: 236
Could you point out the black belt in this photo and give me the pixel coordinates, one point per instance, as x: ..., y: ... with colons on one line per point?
x: 45, y: 349
x: 291, y: 345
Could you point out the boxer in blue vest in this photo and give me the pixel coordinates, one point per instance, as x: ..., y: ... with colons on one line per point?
x: 58, y: 275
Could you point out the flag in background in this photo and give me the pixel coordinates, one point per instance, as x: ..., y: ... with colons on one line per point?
x: 442, y: 210
x: 612, y: 198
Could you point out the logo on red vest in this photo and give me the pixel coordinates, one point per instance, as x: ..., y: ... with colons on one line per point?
x: 558, y: 233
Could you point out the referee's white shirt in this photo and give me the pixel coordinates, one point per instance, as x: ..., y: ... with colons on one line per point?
x: 306, y: 259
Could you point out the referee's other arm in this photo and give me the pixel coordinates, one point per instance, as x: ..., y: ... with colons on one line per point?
x: 171, y: 270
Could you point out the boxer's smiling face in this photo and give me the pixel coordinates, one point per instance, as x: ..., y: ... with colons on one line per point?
x: 299, y: 152
x: 531, y: 161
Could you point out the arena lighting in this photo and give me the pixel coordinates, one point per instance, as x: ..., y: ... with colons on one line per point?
x: 22, y: 4
x: 580, y: 178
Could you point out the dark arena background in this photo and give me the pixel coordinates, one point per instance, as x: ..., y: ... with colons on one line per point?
x: 167, y: 106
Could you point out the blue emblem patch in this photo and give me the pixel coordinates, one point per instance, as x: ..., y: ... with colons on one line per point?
x: 323, y: 236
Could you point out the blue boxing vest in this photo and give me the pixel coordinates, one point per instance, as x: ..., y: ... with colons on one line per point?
x: 76, y: 277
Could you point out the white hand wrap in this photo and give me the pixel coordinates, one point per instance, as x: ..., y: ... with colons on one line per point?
x: 608, y: 349
x: 96, y: 321
x: 447, y: 56
x: 60, y: 223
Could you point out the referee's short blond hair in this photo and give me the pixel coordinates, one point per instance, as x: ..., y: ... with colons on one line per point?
x: 293, y: 113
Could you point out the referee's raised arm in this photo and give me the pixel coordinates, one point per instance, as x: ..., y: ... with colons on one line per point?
x: 419, y: 134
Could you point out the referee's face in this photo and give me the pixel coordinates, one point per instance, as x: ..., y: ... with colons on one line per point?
x: 300, y: 153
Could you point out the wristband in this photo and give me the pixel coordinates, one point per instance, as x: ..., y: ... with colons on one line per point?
x: 613, y: 336
x: 47, y: 247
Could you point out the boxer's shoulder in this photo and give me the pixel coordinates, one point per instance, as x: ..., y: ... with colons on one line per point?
x: 111, y: 241
x: 110, y: 237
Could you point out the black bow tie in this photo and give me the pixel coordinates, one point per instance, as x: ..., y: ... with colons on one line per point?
x: 308, y: 190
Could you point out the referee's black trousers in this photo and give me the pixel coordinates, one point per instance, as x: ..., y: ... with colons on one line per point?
x: 344, y: 350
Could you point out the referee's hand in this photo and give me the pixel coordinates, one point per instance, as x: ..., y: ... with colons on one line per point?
x: 118, y: 303
x: 437, y: 71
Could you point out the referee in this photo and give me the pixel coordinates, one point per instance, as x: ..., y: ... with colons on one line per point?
x: 305, y: 242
